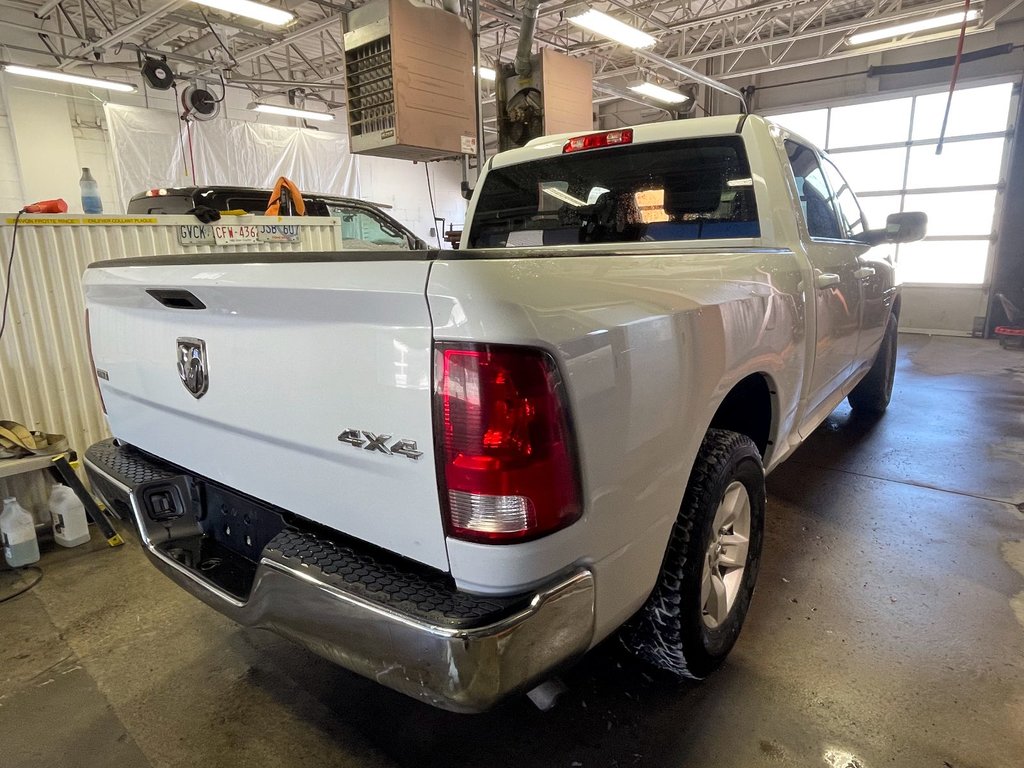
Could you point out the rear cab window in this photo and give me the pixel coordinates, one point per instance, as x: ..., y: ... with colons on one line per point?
x: 161, y: 204
x: 690, y: 189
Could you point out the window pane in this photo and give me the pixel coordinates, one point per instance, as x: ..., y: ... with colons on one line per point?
x: 810, y: 125
x: 931, y: 261
x: 814, y: 195
x: 849, y: 211
x: 671, y: 190
x: 956, y: 213
x: 877, y: 209
x: 873, y: 170
x: 878, y: 122
x: 974, y: 110
x: 360, y: 231
x: 961, y: 163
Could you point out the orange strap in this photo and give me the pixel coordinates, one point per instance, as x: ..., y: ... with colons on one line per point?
x: 298, y: 205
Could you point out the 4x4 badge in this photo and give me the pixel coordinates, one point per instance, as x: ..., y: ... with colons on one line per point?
x: 192, y: 366
x: 368, y: 441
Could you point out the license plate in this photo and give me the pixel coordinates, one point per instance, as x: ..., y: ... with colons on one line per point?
x: 279, y: 233
x: 194, y: 234
x: 235, y: 234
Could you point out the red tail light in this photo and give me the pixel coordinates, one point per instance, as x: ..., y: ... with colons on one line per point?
x: 507, y: 458
x: 598, y: 140
x: 92, y: 363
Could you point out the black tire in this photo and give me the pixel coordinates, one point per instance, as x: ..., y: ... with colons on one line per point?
x: 670, y: 632
x: 872, y: 394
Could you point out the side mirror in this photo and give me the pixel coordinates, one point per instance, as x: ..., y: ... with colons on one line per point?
x: 906, y: 227
x: 903, y: 227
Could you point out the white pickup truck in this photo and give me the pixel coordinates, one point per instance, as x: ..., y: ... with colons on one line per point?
x: 455, y: 472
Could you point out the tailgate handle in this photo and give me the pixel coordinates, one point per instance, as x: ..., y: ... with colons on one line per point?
x: 175, y: 299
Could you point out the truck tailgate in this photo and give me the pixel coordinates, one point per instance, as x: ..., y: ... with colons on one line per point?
x: 297, y: 356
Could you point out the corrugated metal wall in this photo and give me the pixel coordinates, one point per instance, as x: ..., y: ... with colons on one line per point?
x: 46, y: 381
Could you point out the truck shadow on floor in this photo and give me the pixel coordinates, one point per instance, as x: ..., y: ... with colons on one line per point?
x: 614, y: 713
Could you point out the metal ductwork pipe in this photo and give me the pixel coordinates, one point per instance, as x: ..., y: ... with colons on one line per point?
x: 452, y: 6
x: 522, y: 64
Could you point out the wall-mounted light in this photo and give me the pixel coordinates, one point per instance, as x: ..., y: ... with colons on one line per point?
x: 251, y: 10
x: 921, y: 25
x: 606, y: 26
x: 658, y: 93
x: 305, y: 114
x: 64, y: 77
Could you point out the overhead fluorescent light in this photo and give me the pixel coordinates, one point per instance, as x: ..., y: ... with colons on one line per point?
x: 921, y: 25
x: 602, y: 24
x: 656, y: 92
x: 251, y: 10
x: 305, y: 114
x: 64, y: 77
x: 486, y: 73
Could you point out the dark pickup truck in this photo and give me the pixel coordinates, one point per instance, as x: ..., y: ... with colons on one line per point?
x: 360, y: 220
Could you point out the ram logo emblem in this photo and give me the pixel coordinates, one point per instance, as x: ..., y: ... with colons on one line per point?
x: 192, y: 366
x: 368, y: 441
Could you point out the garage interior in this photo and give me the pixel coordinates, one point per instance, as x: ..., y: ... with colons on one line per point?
x: 888, y: 623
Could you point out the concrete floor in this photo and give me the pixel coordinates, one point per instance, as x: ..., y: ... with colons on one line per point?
x: 887, y: 629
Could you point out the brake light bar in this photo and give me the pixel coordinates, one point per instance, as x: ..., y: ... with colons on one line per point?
x: 598, y: 140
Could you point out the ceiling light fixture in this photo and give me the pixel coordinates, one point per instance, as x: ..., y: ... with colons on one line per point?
x: 565, y: 197
x: 656, y: 92
x: 64, y: 77
x: 251, y: 10
x: 921, y: 25
x: 602, y: 24
x: 305, y: 114
x: 486, y: 73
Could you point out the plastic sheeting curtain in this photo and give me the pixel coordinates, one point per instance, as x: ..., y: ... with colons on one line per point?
x: 148, y: 154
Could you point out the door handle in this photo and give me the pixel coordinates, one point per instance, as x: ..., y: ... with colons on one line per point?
x: 826, y: 280
x: 864, y: 272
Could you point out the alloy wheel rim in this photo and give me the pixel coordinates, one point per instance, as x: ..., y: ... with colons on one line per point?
x: 725, y: 560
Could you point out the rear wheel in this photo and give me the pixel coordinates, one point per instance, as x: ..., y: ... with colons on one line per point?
x: 872, y: 394
x: 694, y: 615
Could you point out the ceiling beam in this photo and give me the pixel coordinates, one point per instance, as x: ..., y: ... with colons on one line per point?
x: 127, y: 30
x: 336, y: 20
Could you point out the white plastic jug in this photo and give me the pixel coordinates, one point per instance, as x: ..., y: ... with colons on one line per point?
x: 18, y: 530
x: 70, y: 525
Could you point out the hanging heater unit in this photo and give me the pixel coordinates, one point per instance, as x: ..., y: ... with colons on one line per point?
x: 555, y: 97
x: 409, y: 81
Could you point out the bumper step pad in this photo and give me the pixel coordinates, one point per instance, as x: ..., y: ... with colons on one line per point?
x: 426, y: 595
x: 354, y: 567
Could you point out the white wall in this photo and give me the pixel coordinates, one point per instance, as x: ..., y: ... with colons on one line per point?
x: 44, y: 144
x: 403, y: 185
x: 10, y: 179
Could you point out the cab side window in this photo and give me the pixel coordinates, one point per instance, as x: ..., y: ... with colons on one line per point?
x: 360, y: 230
x: 815, y: 197
x: 849, y: 208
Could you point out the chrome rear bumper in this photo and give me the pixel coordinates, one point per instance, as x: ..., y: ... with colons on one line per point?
x: 459, y: 669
